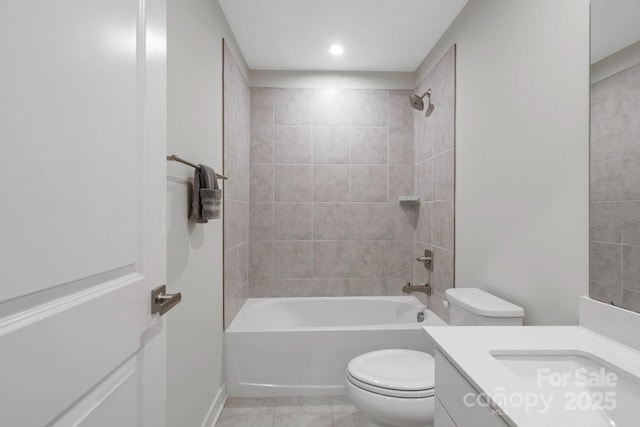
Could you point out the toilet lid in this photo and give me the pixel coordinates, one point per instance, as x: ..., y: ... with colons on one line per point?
x: 386, y: 372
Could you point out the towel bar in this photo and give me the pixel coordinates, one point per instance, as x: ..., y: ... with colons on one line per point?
x: 175, y: 158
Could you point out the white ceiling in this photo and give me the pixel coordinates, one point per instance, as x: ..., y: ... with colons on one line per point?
x: 615, y: 24
x: 377, y: 35
x: 380, y: 35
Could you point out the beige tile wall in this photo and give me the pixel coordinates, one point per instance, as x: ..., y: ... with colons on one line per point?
x: 615, y: 189
x: 236, y: 189
x: 326, y: 170
x: 435, y: 181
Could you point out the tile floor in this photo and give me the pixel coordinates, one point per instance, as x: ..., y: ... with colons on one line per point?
x: 330, y: 411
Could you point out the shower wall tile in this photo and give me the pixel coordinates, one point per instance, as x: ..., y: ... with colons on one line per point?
x: 331, y: 221
x: 630, y: 222
x: 331, y: 145
x: 424, y: 136
x: 607, y: 142
x: 606, y: 181
x: 605, y: 261
x: 238, y: 173
x: 243, y: 262
x: 443, y: 224
x: 369, y: 145
x: 402, y: 220
x: 400, y: 260
x: 424, y: 180
x: 606, y: 293
x: 364, y: 287
x: 369, y: 183
x: 443, y: 129
x: 400, y: 181
x: 261, y: 288
x: 230, y: 280
x: 261, y: 106
x: 293, y: 183
x: 261, y: 221
x: 443, y: 178
x: 606, y: 98
x: 293, y: 259
x: 631, y: 299
x: 331, y: 258
x: 261, y: 183
x: 423, y: 223
x: 606, y: 222
x: 240, y: 140
x: 261, y: 260
x: 292, y: 107
x: 261, y: 148
x: 369, y: 221
x: 293, y: 145
x: 369, y: 258
x: 293, y: 221
x: 331, y: 107
x: 631, y: 178
x: 401, y: 147
x: 631, y: 133
x: 369, y: 108
x: 400, y: 111
x: 630, y: 83
x: 331, y: 183
x: 330, y: 287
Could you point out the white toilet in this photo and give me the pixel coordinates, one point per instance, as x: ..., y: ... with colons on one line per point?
x: 395, y: 387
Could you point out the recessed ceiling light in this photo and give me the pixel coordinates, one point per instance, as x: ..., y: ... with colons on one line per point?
x: 336, y: 49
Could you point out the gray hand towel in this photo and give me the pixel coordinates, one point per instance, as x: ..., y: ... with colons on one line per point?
x: 210, y: 193
x: 207, y: 196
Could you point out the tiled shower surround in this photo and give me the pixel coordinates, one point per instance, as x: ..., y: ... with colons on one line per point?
x: 325, y: 168
x: 615, y: 189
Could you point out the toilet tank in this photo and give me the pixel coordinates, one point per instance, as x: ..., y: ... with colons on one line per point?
x: 475, y: 307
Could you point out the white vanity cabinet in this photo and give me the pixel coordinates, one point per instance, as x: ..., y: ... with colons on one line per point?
x: 458, y: 404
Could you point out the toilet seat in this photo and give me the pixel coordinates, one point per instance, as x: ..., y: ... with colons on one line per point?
x: 394, y: 373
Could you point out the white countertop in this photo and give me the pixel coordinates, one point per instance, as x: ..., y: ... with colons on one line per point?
x: 469, y: 347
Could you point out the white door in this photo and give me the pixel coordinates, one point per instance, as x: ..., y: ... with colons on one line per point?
x: 82, y: 212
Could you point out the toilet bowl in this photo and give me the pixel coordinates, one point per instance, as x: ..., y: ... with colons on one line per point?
x: 395, y: 387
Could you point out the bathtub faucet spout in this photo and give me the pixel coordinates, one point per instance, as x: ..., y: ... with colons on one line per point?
x: 408, y: 288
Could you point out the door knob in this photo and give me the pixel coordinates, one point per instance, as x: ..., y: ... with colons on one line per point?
x: 161, y: 301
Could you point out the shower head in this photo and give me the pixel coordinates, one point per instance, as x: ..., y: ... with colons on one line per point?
x: 418, y: 103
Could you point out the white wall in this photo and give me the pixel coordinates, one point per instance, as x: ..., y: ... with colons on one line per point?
x: 522, y: 152
x: 194, y: 328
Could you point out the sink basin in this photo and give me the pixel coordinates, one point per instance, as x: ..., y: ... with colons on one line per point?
x: 588, y: 390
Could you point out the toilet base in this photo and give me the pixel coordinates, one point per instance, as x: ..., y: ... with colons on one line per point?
x: 385, y: 411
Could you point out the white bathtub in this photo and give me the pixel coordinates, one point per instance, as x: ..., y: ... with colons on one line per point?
x: 301, y: 346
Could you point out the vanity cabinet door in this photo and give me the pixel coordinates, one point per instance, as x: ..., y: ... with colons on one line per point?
x: 451, y: 389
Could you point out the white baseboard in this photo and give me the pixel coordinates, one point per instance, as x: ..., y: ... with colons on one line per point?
x: 216, y: 408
